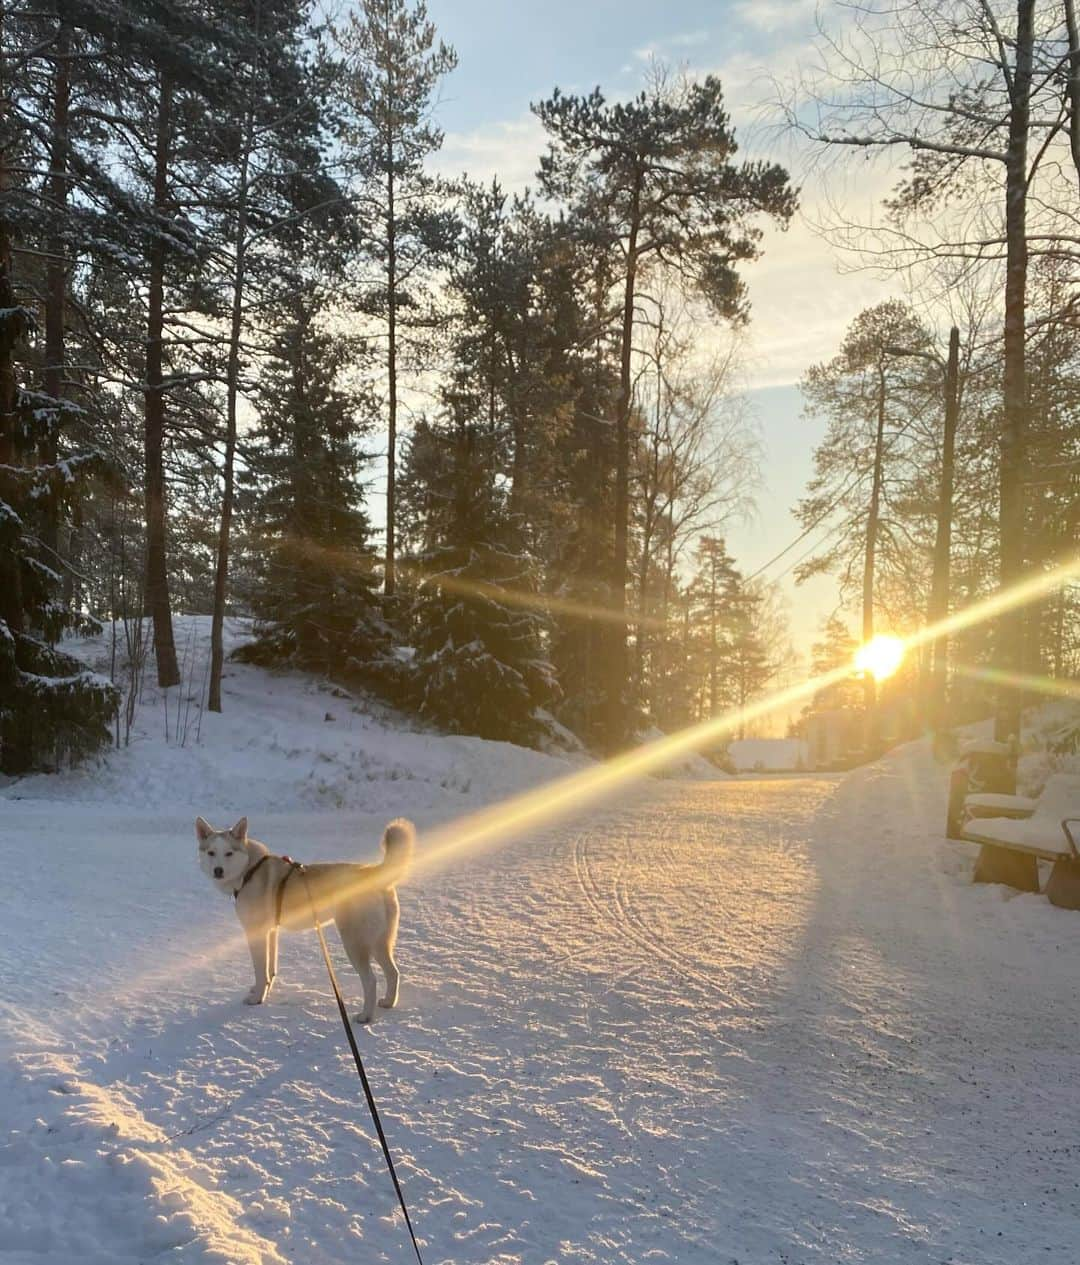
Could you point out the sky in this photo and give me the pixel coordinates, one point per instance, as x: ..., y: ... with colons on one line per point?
x: 803, y: 295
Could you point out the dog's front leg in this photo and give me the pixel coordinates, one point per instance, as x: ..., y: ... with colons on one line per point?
x: 259, y: 944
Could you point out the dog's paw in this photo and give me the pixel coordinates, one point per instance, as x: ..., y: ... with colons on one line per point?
x: 388, y: 1003
x: 363, y: 1018
x: 256, y: 997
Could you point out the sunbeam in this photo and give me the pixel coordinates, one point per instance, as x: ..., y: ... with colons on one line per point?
x: 551, y: 801
x: 548, y: 803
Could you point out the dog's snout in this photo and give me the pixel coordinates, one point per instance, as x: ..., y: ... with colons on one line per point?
x: 218, y: 872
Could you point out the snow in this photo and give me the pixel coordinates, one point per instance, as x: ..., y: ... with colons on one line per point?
x: 284, y: 741
x: 1016, y: 805
x: 1047, y: 838
x: 765, y: 1021
x: 690, y: 765
x: 1043, y: 830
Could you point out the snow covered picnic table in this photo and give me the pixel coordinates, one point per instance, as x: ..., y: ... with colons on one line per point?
x: 1016, y: 833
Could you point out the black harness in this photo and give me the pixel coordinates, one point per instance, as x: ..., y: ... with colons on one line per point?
x: 279, y: 895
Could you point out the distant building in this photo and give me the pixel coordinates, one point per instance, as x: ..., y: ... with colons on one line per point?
x: 834, y: 738
x: 767, y: 755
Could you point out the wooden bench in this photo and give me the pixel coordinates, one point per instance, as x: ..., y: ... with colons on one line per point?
x: 1015, y: 833
x: 1017, y: 806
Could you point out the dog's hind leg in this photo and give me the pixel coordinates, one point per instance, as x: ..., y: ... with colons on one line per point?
x: 359, y: 956
x: 272, y: 954
x: 384, y: 955
x: 259, y: 944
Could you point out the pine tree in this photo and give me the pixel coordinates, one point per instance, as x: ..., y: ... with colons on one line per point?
x: 715, y: 592
x: 577, y: 273
x: 757, y: 646
x: 272, y: 195
x: 393, y: 67
x: 836, y: 649
x: 164, y: 68
x: 51, y: 707
x: 658, y: 171
x: 874, y: 394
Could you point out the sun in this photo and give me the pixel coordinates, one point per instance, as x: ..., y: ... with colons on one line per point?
x: 880, y: 656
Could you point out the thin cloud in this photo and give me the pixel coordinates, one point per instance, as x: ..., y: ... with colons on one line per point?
x: 773, y: 15
x: 671, y: 44
x: 509, y: 150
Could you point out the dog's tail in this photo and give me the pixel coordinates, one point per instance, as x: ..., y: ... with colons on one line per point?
x: 398, y: 841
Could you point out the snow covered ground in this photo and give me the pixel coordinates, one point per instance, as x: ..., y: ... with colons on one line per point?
x: 708, y: 1022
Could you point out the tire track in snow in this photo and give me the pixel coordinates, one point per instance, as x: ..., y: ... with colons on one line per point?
x: 616, y: 914
x: 687, y: 966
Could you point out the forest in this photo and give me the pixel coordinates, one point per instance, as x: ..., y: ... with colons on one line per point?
x: 476, y: 451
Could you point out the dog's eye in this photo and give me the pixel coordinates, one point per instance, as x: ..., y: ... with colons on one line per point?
x: 210, y: 854
x: 228, y: 854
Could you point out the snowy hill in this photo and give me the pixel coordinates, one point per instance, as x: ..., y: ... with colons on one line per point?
x: 284, y: 741
x: 289, y: 741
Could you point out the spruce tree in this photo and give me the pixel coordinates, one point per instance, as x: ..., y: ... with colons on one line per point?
x: 715, y: 592
x: 314, y: 592
x: 481, y: 665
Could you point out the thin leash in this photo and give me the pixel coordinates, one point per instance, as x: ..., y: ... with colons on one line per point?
x: 351, y: 1037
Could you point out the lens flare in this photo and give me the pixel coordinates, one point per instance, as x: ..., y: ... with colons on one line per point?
x: 553, y: 800
x: 449, y: 582
x: 1053, y: 687
x: 880, y: 657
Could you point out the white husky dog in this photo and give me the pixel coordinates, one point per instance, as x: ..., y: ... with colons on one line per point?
x: 274, y: 891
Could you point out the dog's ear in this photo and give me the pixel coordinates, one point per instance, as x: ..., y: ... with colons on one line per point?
x: 239, y: 831
x: 203, y: 829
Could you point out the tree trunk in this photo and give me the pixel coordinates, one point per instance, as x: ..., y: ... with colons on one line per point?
x: 56, y: 270
x: 1009, y: 641
x: 712, y: 637
x: 940, y: 582
x: 1072, y: 85
x: 519, y: 471
x: 157, y: 576
x: 232, y: 390
x: 660, y: 667
x: 15, y: 740
x: 643, y: 601
x: 620, y: 569
x: 869, y: 684
x: 390, y: 577
x: 648, y: 528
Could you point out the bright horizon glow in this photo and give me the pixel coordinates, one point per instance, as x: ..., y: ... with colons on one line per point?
x: 881, y: 656
x: 550, y: 801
